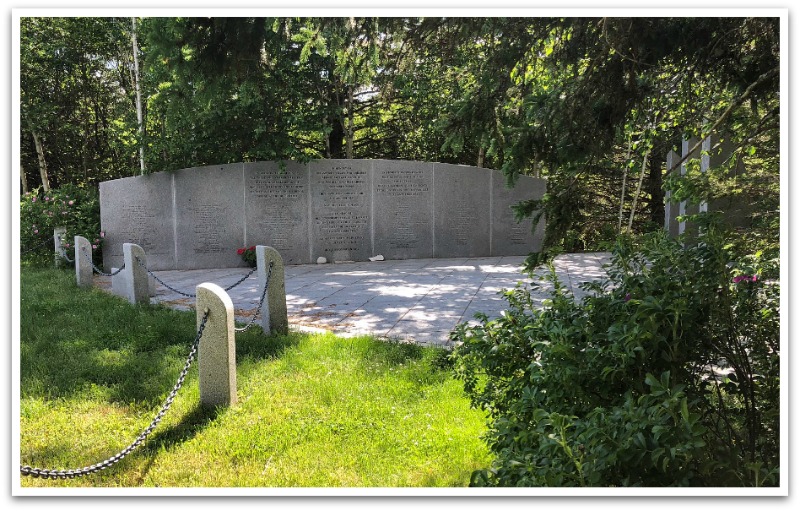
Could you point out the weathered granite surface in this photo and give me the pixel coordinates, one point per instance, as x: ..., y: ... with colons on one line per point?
x: 342, y: 210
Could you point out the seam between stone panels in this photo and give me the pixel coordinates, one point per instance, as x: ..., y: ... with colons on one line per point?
x: 174, y: 224
x: 310, y: 217
x: 433, y: 210
x: 372, y: 206
x: 244, y: 209
x: 491, y: 218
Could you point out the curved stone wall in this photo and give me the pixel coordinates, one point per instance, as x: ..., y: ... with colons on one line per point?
x: 343, y: 210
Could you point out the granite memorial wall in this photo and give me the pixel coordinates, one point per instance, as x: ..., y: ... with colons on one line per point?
x: 343, y: 210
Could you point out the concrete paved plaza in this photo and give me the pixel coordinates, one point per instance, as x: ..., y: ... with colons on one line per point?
x: 418, y: 300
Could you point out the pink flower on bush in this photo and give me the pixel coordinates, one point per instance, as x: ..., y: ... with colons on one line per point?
x: 36, y: 231
x: 94, y: 247
x: 745, y: 278
x: 71, y: 202
x: 102, y: 234
x: 46, y: 199
x: 33, y: 199
x: 240, y: 251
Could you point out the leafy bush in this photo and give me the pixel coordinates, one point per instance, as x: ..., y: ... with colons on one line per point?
x: 77, y: 208
x: 666, y: 374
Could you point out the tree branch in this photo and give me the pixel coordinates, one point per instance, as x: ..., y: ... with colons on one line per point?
x: 761, y: 79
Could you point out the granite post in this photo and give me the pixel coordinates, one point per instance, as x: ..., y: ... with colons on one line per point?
x: 216, y: 358
x: 58, y: 258
x: 83, y: 261
x: 274, y: 316
x: 136, y: 269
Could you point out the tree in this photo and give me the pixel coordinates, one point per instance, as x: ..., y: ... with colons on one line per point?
x: 73, y: 99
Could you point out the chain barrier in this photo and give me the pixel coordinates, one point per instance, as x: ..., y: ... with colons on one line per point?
x: 101, y: 272
x: 40, y: 245
x: 242, y: 279
x: 64, y: 255
x: 191, y: 295
x: 260, y: 302
x: 79, y: 472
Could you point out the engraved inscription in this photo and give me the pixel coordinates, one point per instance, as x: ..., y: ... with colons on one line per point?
x: 278, y: 196
x: 405, y: 233
x: 140, y: 228
x: 207, y: 227
x: 406, y: 192
x: 342, y: 220
x: 517, y: 235
x: 402, y: 183
x: 279, y: 225
x: 277, y: 186
x: 464, y: 221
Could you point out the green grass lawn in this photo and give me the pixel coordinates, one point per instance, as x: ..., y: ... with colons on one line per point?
x: 313, y: 410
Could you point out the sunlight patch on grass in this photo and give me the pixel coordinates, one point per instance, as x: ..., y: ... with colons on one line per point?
x: 313, y: 411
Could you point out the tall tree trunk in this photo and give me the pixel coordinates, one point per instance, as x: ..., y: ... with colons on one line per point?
x: 638, y: 189
x: 481, y: 156
x: 138, y: 94
x: 350, y: 127
x: 624, y: 182
x: 336, y: 136
x: 42, y: 163
x: 24, y: 181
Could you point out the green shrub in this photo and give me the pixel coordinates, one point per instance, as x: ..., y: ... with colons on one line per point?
x: 77, y: 208
x: 666, y: 374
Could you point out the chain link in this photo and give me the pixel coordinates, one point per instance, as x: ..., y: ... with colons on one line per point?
x: 64, y: 255
x: 40, y: 245
x: 79, y: 472
x: 190, y: 295
x: 260, y: 302
x: 242, y: 279
x: 101, y: 272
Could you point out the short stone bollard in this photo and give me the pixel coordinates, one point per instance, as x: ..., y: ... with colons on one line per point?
x: 59, y: 260
x: 83, y: 261
x: 119, y: 283
x: 274, y: 316
x: 136, y: 279
x: 216, y: 357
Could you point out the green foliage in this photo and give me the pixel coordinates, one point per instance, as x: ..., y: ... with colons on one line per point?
x: 666, y: 374
x: 248, y: 255
x: 76, y: 94
x: 77, y: 208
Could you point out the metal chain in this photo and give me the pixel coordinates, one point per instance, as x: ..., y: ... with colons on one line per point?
x: 63, y: 255
x: 260, y: 302
x: 101, y: 272
x: 190, y: 295
x: 242, y: 279
x: 79, y: 472
x: 40, y: 245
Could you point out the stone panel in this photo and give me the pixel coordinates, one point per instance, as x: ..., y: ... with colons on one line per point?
x: 276, y: 212
x: 341, y: 209
x: 403, y: 209
x: 138, y: 210
x: 461, y: 211
x: 510, y: 237
x: 209, y: 213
